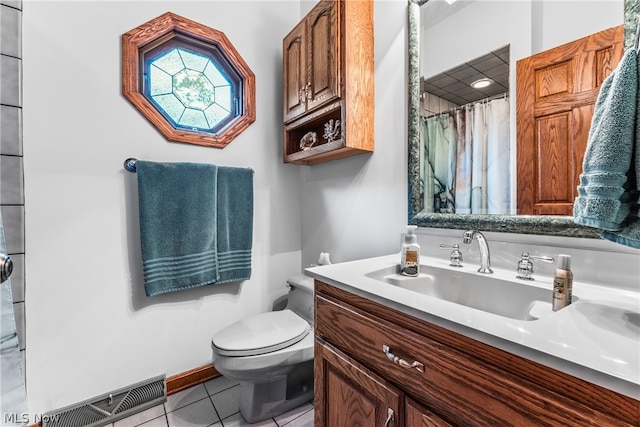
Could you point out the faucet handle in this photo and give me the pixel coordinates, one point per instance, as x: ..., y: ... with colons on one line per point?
x: 456, y: 256
x: 525, y: 265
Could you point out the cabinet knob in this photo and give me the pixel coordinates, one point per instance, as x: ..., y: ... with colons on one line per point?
x: 397, y: 360
x: 307, y: 89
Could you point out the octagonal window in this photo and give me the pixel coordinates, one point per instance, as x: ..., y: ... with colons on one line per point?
x: 194, y: 89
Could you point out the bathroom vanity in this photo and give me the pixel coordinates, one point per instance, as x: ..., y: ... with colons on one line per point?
x: 386, y: 356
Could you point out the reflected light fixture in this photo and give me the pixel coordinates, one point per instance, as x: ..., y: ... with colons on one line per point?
x: 450, y: 1
x: 479, y: 84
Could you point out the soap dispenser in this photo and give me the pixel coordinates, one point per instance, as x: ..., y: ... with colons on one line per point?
x: 410, y: 253
x: 562, y: 283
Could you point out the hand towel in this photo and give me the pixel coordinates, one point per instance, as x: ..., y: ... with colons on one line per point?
x: 177, y: 204
x: 234, y: 223
x: 629, y: 235
x: 601, y: 201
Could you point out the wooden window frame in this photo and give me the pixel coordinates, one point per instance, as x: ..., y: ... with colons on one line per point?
x: 162, y: 30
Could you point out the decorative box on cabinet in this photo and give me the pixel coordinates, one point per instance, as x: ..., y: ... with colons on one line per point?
x: 442, y: 378
x: 328, y: 82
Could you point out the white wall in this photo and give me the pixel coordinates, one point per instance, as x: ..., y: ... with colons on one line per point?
x: 356, y: 207
x: 90, y: 327
x: 528, y: 26
x: 557, y: 22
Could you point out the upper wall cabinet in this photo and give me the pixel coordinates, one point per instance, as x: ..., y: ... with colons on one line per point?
x: 311, y: 62
x: 328, y: 84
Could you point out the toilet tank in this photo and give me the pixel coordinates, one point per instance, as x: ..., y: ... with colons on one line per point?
x: 300, y: 298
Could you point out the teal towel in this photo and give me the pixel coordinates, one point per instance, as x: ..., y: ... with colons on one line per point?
x: 184, y: 209
x: 235, y: 223
x: 177, y: 203
x: 603, y: 200
x: 629, y: 234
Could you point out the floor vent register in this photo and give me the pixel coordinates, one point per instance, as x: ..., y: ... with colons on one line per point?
x: 110, y: 407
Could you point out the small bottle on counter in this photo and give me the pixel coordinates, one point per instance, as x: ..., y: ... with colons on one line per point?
x: 410, y: 254
x: 562, y: 283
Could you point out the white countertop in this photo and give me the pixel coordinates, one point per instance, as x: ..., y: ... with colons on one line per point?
x: 597, y: 338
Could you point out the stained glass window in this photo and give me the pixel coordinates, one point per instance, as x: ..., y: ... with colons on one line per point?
x: 198, y: 84
x: 193, y: 90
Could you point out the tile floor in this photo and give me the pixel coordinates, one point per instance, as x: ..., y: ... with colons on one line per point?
x: 214, y: 403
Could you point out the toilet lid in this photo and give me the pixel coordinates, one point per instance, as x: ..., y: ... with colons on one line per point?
x: 260, y: 333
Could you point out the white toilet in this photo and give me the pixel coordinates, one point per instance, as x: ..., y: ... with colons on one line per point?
x: 271, y: 355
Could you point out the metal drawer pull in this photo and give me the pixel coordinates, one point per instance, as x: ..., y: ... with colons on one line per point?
x: 390, y: 417
x: 395, y: 359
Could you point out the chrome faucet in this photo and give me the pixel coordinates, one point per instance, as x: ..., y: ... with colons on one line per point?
x: 485, y: 258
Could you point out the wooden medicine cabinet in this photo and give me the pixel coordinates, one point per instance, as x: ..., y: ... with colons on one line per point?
x: 328, y: 83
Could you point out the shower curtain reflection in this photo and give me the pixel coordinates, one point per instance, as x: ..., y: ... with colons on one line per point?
x: 465, y: 159
x: 13, y: 400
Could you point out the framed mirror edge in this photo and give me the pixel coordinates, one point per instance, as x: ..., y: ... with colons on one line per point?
x: 521, y: 224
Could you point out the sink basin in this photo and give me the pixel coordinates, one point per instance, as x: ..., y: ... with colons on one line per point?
x: 514, y: 299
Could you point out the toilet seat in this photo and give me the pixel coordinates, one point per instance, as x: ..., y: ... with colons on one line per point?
x: 261, y: 333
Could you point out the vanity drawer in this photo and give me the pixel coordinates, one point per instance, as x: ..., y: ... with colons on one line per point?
x: 458, y: 386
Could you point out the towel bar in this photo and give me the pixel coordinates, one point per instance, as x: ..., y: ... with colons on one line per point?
x: 130, y: 164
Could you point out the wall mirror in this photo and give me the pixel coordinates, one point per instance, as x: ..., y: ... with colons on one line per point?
x: 526, y: 32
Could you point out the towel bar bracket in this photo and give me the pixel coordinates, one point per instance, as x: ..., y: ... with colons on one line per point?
x: 130, y: 164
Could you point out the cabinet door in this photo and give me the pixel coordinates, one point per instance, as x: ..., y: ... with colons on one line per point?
x: 556, y: 93
x: 348, y: 394
x: 295, y: 72
x: 323, y: 67
x: 417, y: 415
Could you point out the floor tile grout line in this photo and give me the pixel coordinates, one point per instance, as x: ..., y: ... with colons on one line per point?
x: 293, y: 419
x: 228, y: 389
x: 210, y: 396
x: 166, y: 417
x: 188, y: 405
x: 216, y: 410
x: 220, y: 391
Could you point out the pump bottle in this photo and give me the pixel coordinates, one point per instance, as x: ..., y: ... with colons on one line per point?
x: 410, y: 253
x: 562, y: 283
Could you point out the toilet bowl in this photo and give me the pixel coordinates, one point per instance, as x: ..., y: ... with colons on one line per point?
x: 271, y: 355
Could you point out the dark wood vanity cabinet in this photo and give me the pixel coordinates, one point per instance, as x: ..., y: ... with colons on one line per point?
x: 381, y: 367
x: 356, y: 396
x: 328, y: 82
x: 417, y: 415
